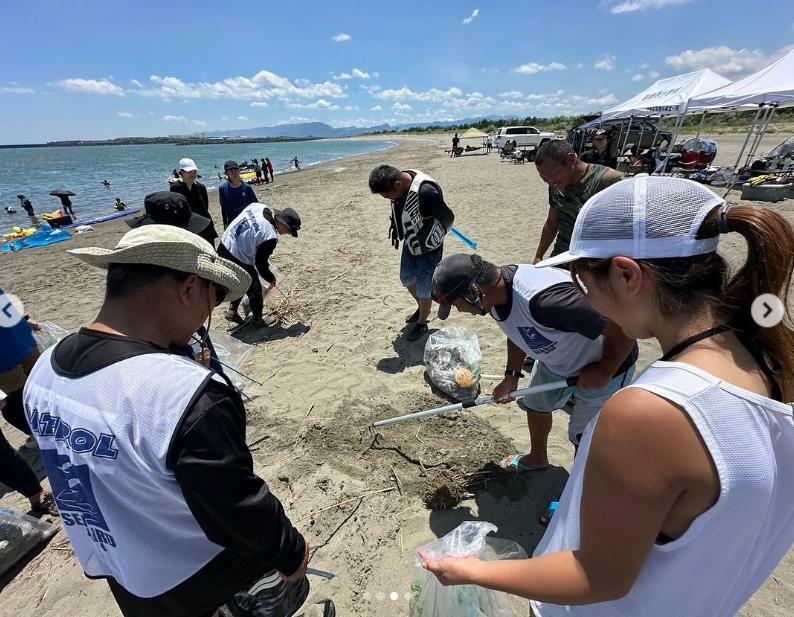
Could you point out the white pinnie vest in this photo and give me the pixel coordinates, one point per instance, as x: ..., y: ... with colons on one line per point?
x: 418, y: 239
x: 246, y: 232
x: 729, y: 550
x: 104, y: 438
x: 563, y: 353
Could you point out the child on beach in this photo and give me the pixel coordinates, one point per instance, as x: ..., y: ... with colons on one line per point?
x: 679, y: 501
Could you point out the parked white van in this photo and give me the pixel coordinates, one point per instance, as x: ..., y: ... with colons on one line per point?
x: 525, y: 136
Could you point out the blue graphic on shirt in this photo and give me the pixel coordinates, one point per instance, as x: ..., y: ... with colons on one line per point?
x: 538, y: 343
x: 74, y: 495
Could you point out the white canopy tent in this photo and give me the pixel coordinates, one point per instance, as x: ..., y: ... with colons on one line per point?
x: 768, y: 89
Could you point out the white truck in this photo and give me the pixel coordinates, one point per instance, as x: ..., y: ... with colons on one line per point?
x: 524, y: 136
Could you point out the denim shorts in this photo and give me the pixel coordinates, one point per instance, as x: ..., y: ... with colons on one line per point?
x: 580, y: 404
x: 418, y: 270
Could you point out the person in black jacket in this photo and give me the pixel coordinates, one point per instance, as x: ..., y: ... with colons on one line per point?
x: 184, y: 472
x: 601, y: 153
x: 196, y: 195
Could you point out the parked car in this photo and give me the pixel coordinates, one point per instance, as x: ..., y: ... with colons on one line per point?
x: 525, y: 136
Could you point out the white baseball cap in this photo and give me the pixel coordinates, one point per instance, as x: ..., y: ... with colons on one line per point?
x: 187, y: 165
x: 645, y: 217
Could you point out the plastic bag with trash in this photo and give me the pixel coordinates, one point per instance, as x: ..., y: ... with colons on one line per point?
x: 452, y: 360
x: 49, y: 334
x: 429, y: 598
x: 233, y: 353
x: 19, y: 535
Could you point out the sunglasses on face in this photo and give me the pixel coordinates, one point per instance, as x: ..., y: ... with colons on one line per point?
x: 220, y: 292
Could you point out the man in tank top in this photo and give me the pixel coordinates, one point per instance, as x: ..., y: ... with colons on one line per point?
x: 546, y: 318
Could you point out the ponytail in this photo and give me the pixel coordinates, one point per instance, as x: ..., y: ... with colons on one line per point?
x: 768, y: 270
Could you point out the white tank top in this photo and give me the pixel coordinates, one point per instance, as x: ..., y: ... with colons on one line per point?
x: 104, y: 439
x: 246, y: 232
x: 728, y: 551
x: 563, y: 353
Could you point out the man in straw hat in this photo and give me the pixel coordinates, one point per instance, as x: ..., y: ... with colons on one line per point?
x: 547, y: 318
x: 145, y: 449
x: 249, y: 241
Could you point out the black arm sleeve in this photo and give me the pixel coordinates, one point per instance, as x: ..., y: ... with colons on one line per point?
x: 432, y: 204
x: 263, y: 253
x: 214, y: 469
x: 563, y: 307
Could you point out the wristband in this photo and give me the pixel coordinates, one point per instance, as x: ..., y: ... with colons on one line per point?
x: 512, y: 373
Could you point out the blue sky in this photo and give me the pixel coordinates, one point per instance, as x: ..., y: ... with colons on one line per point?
x: 101, y: 69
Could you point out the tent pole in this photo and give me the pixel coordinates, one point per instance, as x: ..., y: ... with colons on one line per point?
x: 628, y: 130
x: 700, y: 126
x: 741, y: 152
x: 678, y: 124
x: 760, y: 135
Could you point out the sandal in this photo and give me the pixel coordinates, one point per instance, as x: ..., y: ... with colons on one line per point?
x: 512, y: 464
x: 45, y: 506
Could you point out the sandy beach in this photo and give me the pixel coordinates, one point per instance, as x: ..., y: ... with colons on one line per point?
x: 339, y: 360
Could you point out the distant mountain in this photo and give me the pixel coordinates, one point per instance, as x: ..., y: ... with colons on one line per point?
x: 320, y: 129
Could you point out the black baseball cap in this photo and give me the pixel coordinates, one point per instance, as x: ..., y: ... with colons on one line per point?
x: 452, y: 278
x: 290, y: 218
x: 168, y: 208
x: 230, y: 165
x: 602, y: 133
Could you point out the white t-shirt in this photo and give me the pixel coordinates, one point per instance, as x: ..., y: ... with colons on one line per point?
x: 247, y: 232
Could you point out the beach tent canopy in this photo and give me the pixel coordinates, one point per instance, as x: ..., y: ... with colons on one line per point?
x: 772, y: 85
x: 472, y: 132
x: 671, y: 96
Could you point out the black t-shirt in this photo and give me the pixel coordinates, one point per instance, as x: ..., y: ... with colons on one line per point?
x: 564, y: 308
x: 431, y: 205
x: 198, y: 201
x: 214, y: 469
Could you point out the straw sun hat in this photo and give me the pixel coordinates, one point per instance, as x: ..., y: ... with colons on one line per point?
x: 170, y: 247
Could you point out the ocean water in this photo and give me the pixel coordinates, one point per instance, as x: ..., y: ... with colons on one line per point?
x: 135, y: 171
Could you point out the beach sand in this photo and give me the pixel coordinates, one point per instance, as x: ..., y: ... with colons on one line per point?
x: 338, y: 361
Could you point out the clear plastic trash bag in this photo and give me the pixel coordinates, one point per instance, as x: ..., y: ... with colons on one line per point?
x: 20, y: 534
x: 49, y: 334
x: 234, y: 353
x: 429, y: 598
x: 452, y: 360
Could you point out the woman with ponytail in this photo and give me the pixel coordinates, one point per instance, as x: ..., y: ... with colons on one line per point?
x: 681, y: 499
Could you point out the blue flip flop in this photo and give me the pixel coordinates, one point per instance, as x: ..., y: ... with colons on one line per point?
x: 512, y: 464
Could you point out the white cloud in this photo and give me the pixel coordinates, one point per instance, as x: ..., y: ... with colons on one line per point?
x: 261, y: 86
x: 224, y: 118
x: 512, y: 94
x: 361, y: 74
x: 533, y: 67
x: 631, y: 6
x: 294, y: 120
x: 654, y: 75
x: 376, y: 108
x: 198, y: 123
x: 637, y: 77
x: 14, y: 88
x: 175, y: 119
x: 341, y: 38
x: 352, y: 108
x: 321, y: 104
x: 356, y: 73
x: 125, y: 114
x: 400, y: 107
x: 136, y: 83
x: 607, y: 63
x: 91, y: 86
x: 434, y: 95
x: 724, y: 60
x: 242, y: 118
x: 342, y: 76
x: 260, y: 104
x: 471, y: 17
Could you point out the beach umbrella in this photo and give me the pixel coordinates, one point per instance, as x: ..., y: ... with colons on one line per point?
x: 61, y: 192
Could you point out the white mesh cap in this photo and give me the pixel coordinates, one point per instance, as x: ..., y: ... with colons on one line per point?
x: 644, y: 217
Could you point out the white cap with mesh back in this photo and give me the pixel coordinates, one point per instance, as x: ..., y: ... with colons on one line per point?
x: 644, y: 217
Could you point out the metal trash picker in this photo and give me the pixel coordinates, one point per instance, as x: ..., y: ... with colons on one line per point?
x: 483, y: 400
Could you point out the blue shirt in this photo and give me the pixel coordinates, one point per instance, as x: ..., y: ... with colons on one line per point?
x: 16, y: 342
x: 234, y: 200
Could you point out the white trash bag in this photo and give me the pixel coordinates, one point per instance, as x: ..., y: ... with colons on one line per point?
x: 452, y: 360
x: 49, y: 334
x: 429, y: 598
